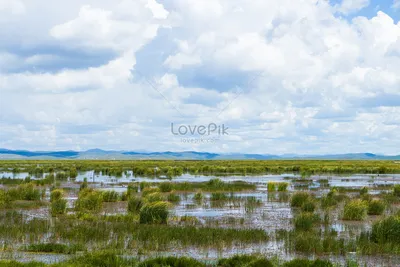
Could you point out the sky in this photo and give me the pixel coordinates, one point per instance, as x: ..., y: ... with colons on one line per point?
x: 278, y: 76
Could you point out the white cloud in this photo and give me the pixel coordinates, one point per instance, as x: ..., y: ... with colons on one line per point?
x: 15, y: 7
x: 95, y: 28
x: 157, y: 9
x: 351, y: 6
x: 285, y: 76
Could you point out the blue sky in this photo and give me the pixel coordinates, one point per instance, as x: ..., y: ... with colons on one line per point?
x: 286, y: 76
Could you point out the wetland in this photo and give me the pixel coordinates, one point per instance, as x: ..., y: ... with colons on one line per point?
x: 199, y: 213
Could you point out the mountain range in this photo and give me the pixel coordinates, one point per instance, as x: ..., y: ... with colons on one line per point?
x: 184, y: 155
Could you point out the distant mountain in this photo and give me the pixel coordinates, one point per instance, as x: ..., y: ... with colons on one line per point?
x: 174, y: 155
x: 26, y: 153
x: 184, y: 155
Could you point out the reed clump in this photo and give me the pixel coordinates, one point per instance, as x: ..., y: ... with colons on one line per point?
x: 24, y: 192
x: 12, y: 263
x: 56, y: 194
x: 282, y: 186
x: 382, y: 239
x: 129, y: 234
x: 198, y: 196
x: 173, y: 198
x: 4, y: 199
x: 111, y: 196
x: 355, y: 210
x: 154, y: 213
x: 277, y: 186
x: 213, y: 185
x: 133, y: 188
x: 299, y: 198
x: 165, y: 187
x: 154, y: 197
x: 308, y: 263
x: 100, y: 259
x: 376, y: 207
x: 271, y: 186
x: 396, y: 190
x: 171, y: 262
x: 363, y: 191
x: 149, y: 190
x: 308, y: 206
x: 134, y: 205
x: 244, y: 260
x: 53, y: 248
x: 58, y: 203
x: 251, y: 203
x: 219, y: 196
x: 195, y: 167
x: 89, y: 200
x: 386, y: 230
x: 305, y: 221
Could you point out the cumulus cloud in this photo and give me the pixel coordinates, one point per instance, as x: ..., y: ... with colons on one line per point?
x: 285, y: 76
x: 351, y: 6
x: 14, y: 7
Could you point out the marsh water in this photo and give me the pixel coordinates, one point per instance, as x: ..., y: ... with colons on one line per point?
x: 271, y: 213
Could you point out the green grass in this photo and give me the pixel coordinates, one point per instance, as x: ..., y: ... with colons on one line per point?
x: 155, y: 197
x: 53, y: 248
x: 363, y: 191
x: 244, y: 260
x: 89, y: 200
x: 58, y: 204
x: 214, y: 185
x: 56, y: 194
x: 211, y: 167
x: 305, y: 221
x: 8, y: 263
x: 111, y: 196
x: 308, y: 206
x: 219, y: 196
x: 271, y: 186
x: 277, y: 186
x: 23, y: 192
x: 252, y: 203
x: 315, y: 242
x: 376, y: 207
x: 99, y: 259
x: 396, y: 190
x: 112, y: 259
x: 149, y: 190
x: 308, y: 263
x: 134, y: 205
x: 173, y: 198
x: 148, y: 228
x: 166, y: 187
x: 386, y: 230
x: 171, y: 262
x: 58, y: 207
x: 198, y: 196
x: 299, y: 199
x: 154, y: 213
x: 282, y: 187
x: 128, y: 234
x: 355, y: 210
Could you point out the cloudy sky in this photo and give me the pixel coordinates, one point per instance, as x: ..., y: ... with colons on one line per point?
x: 285, y: 76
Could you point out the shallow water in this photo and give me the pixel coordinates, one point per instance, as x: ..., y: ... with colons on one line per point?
x: 352, y: 180
x: 272, y: 214
x: 21, y: 256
